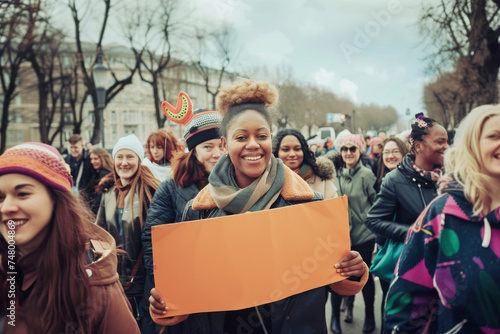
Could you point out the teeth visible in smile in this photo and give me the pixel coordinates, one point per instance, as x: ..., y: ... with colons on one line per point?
x: 253, y: 158
x: 17, y: 222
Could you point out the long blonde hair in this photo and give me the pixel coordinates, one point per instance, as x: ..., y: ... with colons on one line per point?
x: 464, y: 161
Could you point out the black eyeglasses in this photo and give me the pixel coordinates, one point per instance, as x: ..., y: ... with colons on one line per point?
x: 352, y: 149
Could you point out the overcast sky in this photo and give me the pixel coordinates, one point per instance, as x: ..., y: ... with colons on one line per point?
x: 367, y: 50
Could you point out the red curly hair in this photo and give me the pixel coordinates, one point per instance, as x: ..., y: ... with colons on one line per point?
x: 164, y: 139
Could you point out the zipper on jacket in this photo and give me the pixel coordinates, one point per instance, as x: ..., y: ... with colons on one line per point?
x: 421, y: 195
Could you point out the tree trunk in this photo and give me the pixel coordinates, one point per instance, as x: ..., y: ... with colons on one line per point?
x: 42, y: 114
x: 5, y: 122
x: 160, y: 118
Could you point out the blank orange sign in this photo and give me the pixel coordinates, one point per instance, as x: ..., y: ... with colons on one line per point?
x: 240, y: 261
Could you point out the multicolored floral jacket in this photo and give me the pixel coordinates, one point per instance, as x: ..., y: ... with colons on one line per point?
x: 448, y: 276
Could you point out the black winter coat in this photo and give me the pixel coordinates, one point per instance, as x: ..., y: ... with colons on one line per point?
x: 166, y: 207
x: 287, y: 314
x: 403, y: 195
x: 75, y: 168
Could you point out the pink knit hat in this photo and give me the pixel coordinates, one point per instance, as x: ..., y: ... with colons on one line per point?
x: 39, y: 161
x: 356, y: 140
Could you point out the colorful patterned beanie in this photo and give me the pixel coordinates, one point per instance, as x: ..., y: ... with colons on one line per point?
x: 39, y: 161
x: 201, y: 125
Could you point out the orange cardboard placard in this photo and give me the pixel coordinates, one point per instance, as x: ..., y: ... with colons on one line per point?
x: 239, y: 261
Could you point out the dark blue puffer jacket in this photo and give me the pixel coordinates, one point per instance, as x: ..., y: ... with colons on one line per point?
x: 167, y: 207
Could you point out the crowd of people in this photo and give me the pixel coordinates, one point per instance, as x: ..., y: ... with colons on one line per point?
x: 83, y: 255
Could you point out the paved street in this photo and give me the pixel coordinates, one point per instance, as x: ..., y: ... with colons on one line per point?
x: 356, y: 327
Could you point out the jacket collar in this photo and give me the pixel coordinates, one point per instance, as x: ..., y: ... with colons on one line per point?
x: 294, y: 189
x: 406, y: 168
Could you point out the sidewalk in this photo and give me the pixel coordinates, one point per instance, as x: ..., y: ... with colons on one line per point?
x: 356, y: 327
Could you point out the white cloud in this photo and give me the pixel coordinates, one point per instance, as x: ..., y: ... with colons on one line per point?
x: 311, y: 28
x: 349, y: 89
x: 324, y: 77
x: 273, y: 46
x: 225, y: 11
x: 368, y: 70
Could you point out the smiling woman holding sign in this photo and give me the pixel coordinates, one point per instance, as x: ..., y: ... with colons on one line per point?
x: 249, y: 178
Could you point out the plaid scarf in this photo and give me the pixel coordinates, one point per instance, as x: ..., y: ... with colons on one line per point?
x: 432, y: 175
x: 259, y: 195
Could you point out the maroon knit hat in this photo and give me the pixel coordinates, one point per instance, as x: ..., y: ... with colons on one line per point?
x: 39, y: 161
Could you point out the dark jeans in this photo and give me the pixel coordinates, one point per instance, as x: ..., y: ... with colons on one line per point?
x: 147, y: 325
x: 385, y: 288
x: 368, y: 291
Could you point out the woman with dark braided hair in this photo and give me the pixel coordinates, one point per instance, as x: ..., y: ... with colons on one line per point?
x: 291, y: 147
x: 407, y: 190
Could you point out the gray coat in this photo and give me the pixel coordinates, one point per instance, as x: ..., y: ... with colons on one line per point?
x: 357, y: 184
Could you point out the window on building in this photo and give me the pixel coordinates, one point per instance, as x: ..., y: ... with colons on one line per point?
x: 66, y: 62
x: 67, y: 134
x: 18, y: 100
x: 19, y: 136
x: 111, y: 60
x: 113, y: 116
x: 91, y: 117
x: 114, y: 132
x: 88, y: 60
x: 19, y: 119
x: 68, y: 117
x: 130, y: 129
x: 10, y: 136
x: 132, y: 116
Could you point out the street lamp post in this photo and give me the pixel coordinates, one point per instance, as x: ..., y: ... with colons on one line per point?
x: 100, y: 72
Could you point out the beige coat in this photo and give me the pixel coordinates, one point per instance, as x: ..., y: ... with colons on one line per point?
x: 325, y: 187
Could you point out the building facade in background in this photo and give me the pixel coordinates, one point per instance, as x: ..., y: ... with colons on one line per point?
x: 132, y: 110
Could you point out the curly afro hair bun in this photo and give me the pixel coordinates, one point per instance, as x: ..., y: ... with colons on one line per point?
x: 246, y: 91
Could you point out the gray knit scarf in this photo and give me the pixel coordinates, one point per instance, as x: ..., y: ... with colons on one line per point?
x: 259, y: 195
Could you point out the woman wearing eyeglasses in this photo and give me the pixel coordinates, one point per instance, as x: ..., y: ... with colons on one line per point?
x: 407, y: 190
x: 392, y: 154
x: 356, y: 181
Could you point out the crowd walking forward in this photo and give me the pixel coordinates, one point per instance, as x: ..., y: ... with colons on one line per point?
x: 253, y: 180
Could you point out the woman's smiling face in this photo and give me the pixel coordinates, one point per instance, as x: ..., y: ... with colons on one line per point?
x: 248, y: 142
x: 290, y: 152
x: 26, y: 206
x: 392, y: 155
